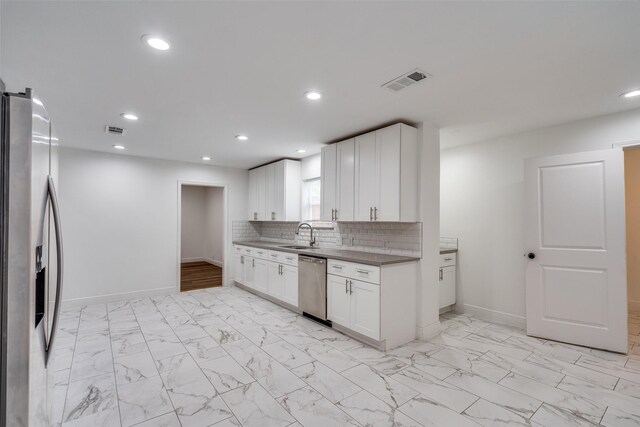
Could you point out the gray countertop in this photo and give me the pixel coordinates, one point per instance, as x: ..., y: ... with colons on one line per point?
x: 368, y: 258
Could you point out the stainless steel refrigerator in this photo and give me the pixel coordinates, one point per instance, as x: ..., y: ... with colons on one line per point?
x: 31, y: 261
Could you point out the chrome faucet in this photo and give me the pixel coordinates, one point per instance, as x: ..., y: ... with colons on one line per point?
x: 312, y: 240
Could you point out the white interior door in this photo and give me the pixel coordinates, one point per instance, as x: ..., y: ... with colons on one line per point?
x: 575, y: 241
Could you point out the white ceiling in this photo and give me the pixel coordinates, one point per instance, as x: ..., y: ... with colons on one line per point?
x: 242, y: 67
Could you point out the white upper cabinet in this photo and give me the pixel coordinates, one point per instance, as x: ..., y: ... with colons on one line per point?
x: 345, y: 180
x: 328, y: 176
x: 367, y: 190
x: 274, y: 192
x: 386, y: 175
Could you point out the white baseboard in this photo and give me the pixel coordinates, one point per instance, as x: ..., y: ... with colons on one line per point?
x: 429, y: 331
x: 203, y: 259
x: 102, y: 299
x: 633, y: 305
x: 492, y: 315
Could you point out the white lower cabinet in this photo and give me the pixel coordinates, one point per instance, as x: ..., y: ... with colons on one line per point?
x: 447, y: 280
x: 290, y: 275
x: 365, y: 308
x: 249, y: 271
x: 238, y: 267
x: 354, y: 304
x: 270, y: 272
x: 276, y: 281
x: 261, y: 272
x: 338, y: 300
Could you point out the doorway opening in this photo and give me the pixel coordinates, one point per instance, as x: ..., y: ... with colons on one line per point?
x: 632, y: 203
x: 202, y: 225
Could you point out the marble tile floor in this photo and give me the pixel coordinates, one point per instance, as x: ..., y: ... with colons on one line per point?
x: 224, y: 357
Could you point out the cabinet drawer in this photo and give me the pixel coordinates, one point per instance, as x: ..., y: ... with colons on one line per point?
x: 284, y: 258
x: 366, y: 273
x: 447, y: 260
x: 261, y: 253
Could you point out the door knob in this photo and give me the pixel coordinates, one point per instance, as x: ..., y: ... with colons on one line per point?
x: 531, y: 255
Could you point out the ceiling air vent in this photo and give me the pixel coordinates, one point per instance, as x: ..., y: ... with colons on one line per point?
x: 405, y: 80
x: 114, y: 130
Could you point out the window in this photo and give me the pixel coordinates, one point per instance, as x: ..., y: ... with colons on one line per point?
x: 311, y: 199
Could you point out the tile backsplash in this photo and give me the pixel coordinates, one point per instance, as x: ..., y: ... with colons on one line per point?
x: 383, y: 237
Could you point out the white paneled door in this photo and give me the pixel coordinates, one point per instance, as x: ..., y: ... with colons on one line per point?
x: 576, y: 286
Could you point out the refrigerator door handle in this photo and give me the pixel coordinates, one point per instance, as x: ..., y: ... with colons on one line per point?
x: 56, y: 220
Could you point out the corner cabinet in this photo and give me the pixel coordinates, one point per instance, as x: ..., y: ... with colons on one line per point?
x: 372, y: 177
x: 274, y: 192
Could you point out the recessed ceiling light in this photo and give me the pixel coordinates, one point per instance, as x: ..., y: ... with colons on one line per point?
x: 631, y: 93
x: 302, y: 150
x: 129, y: 116
x: 206, y: 158
x: 156, y: 42
x: 119, y: 147
x: 242, y: 137
x: 313, y: 95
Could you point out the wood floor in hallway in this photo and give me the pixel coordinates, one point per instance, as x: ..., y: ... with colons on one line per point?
x: 199, y: 275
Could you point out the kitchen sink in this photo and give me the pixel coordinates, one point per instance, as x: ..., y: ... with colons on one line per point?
x: 299, y: 247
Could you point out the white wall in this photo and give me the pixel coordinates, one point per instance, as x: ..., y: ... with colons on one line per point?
x: 120, y: 221
x: 310, y: 167
x: 482, y: 204
x: 193, y: 220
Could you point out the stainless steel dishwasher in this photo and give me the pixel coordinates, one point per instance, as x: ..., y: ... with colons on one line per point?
x: 312, y: 282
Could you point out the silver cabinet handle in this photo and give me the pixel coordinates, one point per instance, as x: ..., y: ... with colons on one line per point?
x: 448, y: 259
x: 339, y: 267
x: 370, y: 214
x: 273, y: 216
x: 350, y: 287
x: 241, y: 259
x: 51, y: 190
x: 281, y: 270
x: 274, y: 255
x: 363, y: 271
x: 375, y: 214
x: 253, y: 262
x: 333, y: 214
x: 336, y: 215
x: 346, y: 286
x: 441, y: 275
x: 255, y: 216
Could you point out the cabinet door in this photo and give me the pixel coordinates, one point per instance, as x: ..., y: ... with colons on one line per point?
x: 447, y: 294
x: 275, y: 282
x: 252, y: 214
x: 290, y: 290
x: 261, y: 193
x: 345, y: 180
x: 261, y: 278
x: 270, y: 192
x: 328, y: 182
x: 279, y: 202
x: 388, y: 154
x: 238, y: 268
x: 367, y: 187
x: 365, y: 308
x: 249, y: 271
x: 338, y: 300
